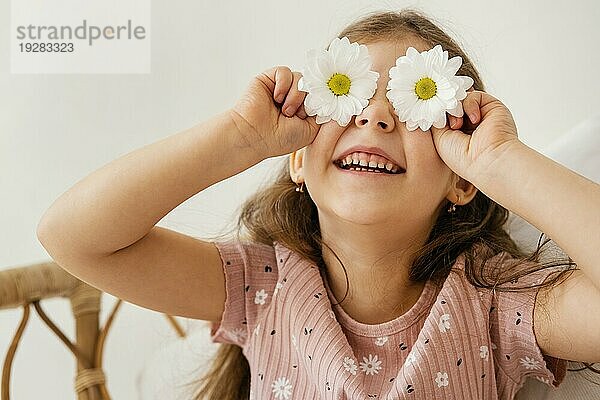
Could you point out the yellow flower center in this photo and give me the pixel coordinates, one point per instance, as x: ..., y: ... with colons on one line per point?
x: 339, y: 84
x: 425, y: 88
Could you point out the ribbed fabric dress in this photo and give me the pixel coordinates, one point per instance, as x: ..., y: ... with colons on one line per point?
x: 457, y: 341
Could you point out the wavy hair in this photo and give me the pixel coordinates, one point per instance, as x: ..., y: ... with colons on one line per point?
x: 278, y: 213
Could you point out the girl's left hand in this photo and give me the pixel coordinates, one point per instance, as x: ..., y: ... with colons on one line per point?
x: 488, y: 129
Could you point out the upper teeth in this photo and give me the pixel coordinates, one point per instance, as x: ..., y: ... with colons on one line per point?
x: 370, y: 161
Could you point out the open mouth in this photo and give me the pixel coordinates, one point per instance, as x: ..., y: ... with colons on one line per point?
x: 356, y: 165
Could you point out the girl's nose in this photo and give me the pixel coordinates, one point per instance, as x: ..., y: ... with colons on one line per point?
x: 377, y: 115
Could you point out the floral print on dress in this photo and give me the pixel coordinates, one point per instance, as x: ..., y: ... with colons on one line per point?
x: 542, y: 379
x: 483, y: 352
x: 350, y: 365
x: 282, y: 388
x: 380, y: 341
x: 277, y: 287
x: 530, y: 363
x: 441, y: 379
x: 371, y: 365
x: 404, y: 362
x: 237, y: 335
x: 260, y: 297
x: 444, y: 323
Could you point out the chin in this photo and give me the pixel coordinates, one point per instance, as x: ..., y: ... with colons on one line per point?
x: 359, y: 212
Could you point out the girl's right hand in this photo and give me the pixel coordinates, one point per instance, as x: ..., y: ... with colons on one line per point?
x: 271, y: 115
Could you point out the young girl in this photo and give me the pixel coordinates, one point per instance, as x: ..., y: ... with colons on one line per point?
x: 352, y: 284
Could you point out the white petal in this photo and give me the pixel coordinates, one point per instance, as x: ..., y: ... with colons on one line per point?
x: 425, y: 125
x: 363, y: 87
x: 433, y: 58
x: 457, y: 111
x: 325, y: 67
x: 407, y: 111
x: 453, y: 65
x: 445, y: 89
x: 312, y: 66
x: 412, y: 53
x: 411, y: 125
x: 440, y: 121
x: 323, y: 119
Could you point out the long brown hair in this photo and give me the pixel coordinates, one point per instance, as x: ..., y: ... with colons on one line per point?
x: 279, y: 213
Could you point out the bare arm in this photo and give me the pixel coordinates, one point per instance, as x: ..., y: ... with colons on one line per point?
x: 559, y: 202
x: 565, y: 206
x: 102, y: 230
x: 119, y: 203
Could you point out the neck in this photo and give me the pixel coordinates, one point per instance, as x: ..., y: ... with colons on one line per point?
x: 377, y: 264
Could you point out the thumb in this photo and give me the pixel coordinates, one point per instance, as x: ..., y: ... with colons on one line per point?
x: 452, y: 146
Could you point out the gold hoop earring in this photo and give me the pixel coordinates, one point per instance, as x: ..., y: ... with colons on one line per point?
x: 300, y: 187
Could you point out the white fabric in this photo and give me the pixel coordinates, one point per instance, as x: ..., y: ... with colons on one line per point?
x: 179, y: 362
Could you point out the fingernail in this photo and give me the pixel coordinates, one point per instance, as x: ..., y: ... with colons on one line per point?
x: 472, y: 117
x: 288, y: 111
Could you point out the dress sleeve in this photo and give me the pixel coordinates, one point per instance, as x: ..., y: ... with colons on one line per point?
x: 514, y: 345
x: 251, y: 273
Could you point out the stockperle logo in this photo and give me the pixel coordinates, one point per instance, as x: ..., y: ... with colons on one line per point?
x: 73, y: 36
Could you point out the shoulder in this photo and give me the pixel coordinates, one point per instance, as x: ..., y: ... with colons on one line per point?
x: 512, y: 304
x: 251, y: 273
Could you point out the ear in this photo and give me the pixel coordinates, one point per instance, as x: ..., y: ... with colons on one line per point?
x: 461, y: 191
x: 296, y: 162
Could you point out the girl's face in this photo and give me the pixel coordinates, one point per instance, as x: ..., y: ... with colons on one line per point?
x: 376, y: 198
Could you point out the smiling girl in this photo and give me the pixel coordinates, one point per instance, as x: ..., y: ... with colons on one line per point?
x: 376, y: 265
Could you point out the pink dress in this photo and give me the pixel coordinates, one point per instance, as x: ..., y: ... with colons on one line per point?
x: 456, y: 342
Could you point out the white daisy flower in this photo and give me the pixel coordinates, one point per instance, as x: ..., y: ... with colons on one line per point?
x: 483, y: 352
x: 441, y: 379
x: 423, y: 87
x: 350, y: 365
x: 371, y: 365
x: 444, y: 323
x: 530, y: 363
x: 380, y: 341
x: 282, y: 388
x: 237, y: 335
x: 260, y: 297
x: 339, y: 81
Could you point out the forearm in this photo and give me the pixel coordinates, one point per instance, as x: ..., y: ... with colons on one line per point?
x: 559, y: 202
x: 119, y: 203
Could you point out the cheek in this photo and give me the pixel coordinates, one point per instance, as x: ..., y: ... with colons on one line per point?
x: 426, y: 163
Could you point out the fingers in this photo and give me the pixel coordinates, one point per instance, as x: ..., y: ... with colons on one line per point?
x: 294, y: 99
x: 471, y: 105
x: 283, y: 81
x: 455, y: 122
x: 286, y: 91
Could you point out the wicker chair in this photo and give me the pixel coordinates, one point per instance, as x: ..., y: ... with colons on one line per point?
x: 21, y: 287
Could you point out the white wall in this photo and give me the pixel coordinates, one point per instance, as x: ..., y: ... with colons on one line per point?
x: 536, y: 56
